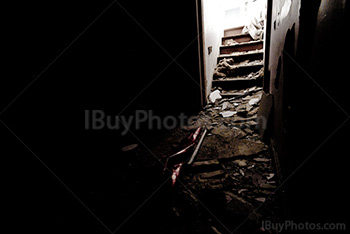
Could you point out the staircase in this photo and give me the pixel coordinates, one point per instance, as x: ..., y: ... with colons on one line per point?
x: 240, y: 63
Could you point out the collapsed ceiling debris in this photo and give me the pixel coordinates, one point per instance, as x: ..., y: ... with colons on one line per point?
x: 232, y: 162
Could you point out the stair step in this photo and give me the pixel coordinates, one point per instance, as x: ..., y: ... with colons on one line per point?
x: 233, y: 84
x: 252, y: 65
x: 244, y: 70
x: 231, y: 79
x: 237, y: 79
x: 239, y: 82
x: 241, y: 93
x: 231, y: 94
x: 233, y: 31
x: 245, y: 46
x: 239, y: 57
x: 237, y: 38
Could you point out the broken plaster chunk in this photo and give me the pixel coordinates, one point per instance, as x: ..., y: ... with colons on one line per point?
x: 252, y: 89
x: 226, y: 114
x: 129, y: 147
x: 251, y: 166
x: 261, y: 159
x: 241, y: 171
x: 215, y: 230
x: 212, y: 174
x: 267, y: 186
x: 253, y: 101
x: 224, y: 106
x: 214, y: 95
x: 260, y: 199
x: 270, y: 176
x: 241, y: 163
x: 231, y: 42
x: 243, y: 147
x: 212, y: 162
x: 242, y: 190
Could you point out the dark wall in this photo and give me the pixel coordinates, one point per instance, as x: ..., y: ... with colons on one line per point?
x: 106, y: 60
x: 315, y: 108
x: 113, y: 64
x: 282, y: 36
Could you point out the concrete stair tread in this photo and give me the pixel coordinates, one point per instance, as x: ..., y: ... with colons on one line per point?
x: 237, y: 54
x: 242, y: 56
x: 253, y: 64
x: 235, y: 36
x: 235, y: 93
x: 232, y: 79
x: 243, y: 43
x: 250, y: 64
x: 241, y: 47
x: 246, y: 69
x: 242, y: 92
x: 239, y: 78
x: 239, y: 38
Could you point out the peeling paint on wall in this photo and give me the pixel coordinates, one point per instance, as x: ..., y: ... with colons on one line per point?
x: 285, y: 9
x: 282, y: 13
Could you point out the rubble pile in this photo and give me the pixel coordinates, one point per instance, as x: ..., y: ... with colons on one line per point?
x: 233, y: 168
x: 233, y: 145
x: 230, y: 42
x: 228, y: 68
x: 238, y: 111
x: 232, y: 171
x: 247, y: 52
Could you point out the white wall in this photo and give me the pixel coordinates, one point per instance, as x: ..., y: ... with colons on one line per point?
x: 213, y: 18
x: 235, y: 12
x: 216, y: 18
x: 285, y: 13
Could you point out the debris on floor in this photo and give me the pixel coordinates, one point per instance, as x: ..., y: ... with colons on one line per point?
x: 175, y: 161
x: 129, y: 147
x: 214, y: 96
x: 230, y: 42
x: 233, y: 170
x: 224, y: 69
x: 228, y: 113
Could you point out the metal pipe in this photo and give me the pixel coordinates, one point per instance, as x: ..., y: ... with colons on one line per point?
x: 197, y: 148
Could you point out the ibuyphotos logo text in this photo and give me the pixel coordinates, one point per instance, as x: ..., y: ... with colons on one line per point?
x: 98, y: 120
x: 146, y: 119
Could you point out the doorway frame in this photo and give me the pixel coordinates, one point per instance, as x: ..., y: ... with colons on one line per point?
x: 201, y: 57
